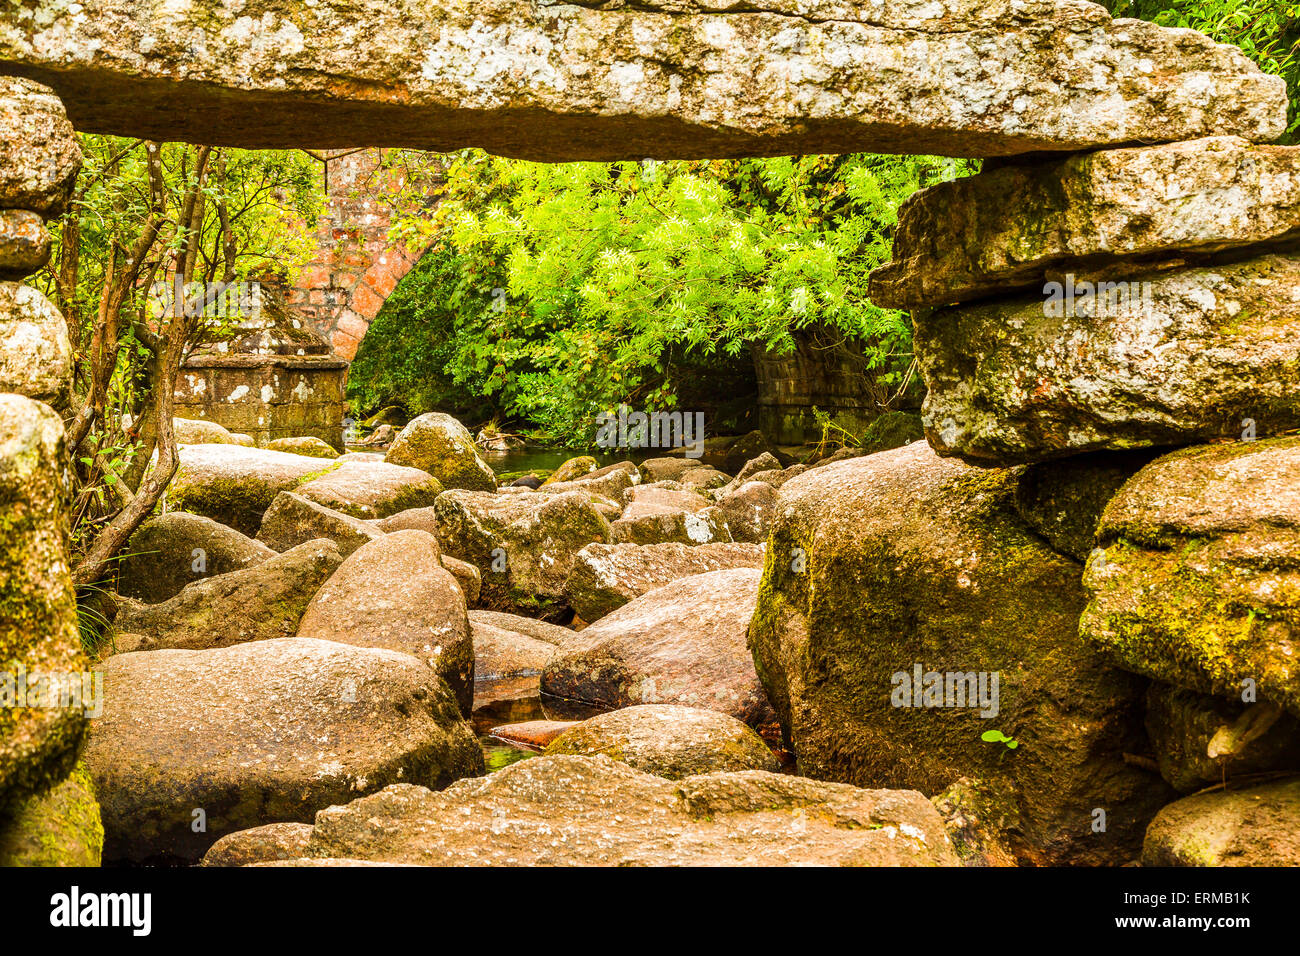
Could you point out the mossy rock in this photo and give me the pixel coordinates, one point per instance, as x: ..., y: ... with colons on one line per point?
x: 1250, y: 826
x: 38, y: 615
x: 1196, y: 582
x: 443, y: 447
x: 60, y: 827
x: 573, y: 468
x: 307, y: 445
x: 880, y: 564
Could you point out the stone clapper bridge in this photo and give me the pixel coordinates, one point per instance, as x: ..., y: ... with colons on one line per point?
x: 1139, y: 148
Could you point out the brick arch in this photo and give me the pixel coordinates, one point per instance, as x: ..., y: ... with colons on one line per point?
x: 355, y: 266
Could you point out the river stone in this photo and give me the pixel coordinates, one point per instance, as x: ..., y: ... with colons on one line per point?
x: 703, y: 479
x: 24, y: 243
x: 35, y: 353
x: 1186, y: 728
x: 275, y: 841
x: 266, y: 732
x: 594, y: 811
x: 573, y: 468
x: 372, y: 490
x: 1015, y: 226
x: 901, y: 560
x: 255, y: 603
x: 41, y: 157
x: 679, y: 644
x: 501, y: 653
x: 1257, y: 826
x: 1202, y: 353
x: 657, y: 500
x: 523, y: 544
x: 669, y: 741
x: 538, y: 630
x: 60, y: 827
x: 667, y: 469
x: 170, y: 551
x: 467, y: 576
x: 1063, y: 500
x: 412, y: 519
x: 193, y: 431
x: 673, y: 79
x: 308, y: 445
x: 235, y: 485
x: 443, y: 447
x: 394, y: 593
x: 749, y: 511
x: 38, y: 617
x: 292, y: 520
x: 607, y: 576
x: 685, y: 527
x: 613, y: 482
x: 1196, y: 582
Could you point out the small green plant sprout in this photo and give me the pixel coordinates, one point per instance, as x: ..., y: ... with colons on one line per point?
x: 998, y: 737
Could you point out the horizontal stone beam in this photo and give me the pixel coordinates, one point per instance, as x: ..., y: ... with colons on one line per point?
x: 655, y: 78
x: 1015, y: 227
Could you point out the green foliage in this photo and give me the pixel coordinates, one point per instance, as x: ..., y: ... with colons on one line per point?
x: 1268, y: 31
x: 998, y: 737
x: 559, y: 291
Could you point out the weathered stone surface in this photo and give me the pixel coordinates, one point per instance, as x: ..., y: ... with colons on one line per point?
x: 749, y: 510
x: 664, y: 79
x: 883, y: 565
x: 372, y: 490
x: 253, y: 604
x: 443, y: 447
x: 195, y: 431
x: 1063, y: 500
x: 394, y: 593
x: 1199, y: 740
x: 1191, y: 358
x: 170, y: 551
x: 669, y: 741
x: 24, y: 243
x: 38, y: 617
x: 235, y: 485
x: 679, y: 644
x: 1015, y: 226
x: 258, y: 733
x: 1197, y: 582
x: 275, y: 841
x: 308, y: 445
x: 293, y: 520
x: 685, y: 527
x: 35, y: 354
x: 523, y: 544
x: 1259, y: 826
x: 499, y: 652
x: 538, y: 630
x: 41, y: 156
x: 607, y: 576
x: 60, y: 827
x: 467, y: 576
x: 595, y: 811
